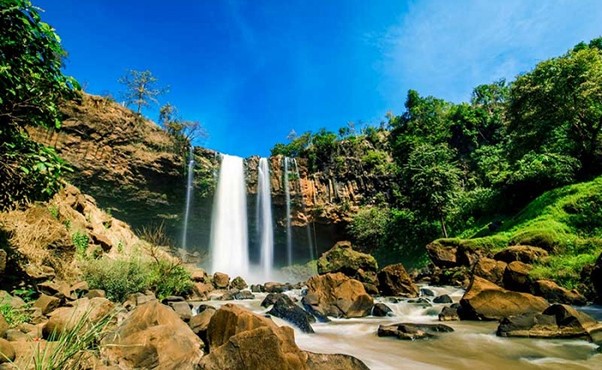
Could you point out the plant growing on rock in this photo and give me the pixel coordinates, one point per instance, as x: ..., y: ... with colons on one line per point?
x: 141, y: 89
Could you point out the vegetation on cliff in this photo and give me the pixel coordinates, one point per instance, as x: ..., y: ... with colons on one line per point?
x: 459, y: 167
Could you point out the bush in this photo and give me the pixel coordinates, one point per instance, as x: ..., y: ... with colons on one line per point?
x: 169, y: 278
x: 118, y: 278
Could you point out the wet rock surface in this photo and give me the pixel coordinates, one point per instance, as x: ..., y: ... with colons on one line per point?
x: 410, y: 331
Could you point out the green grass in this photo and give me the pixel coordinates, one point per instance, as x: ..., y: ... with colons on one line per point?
x: 566, y: 221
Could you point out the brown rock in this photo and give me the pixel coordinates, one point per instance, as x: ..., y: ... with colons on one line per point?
x: 486, y: 301
x: 357, y: 265
x: 201, y: 290
x: 3, y: 326
x: 557, y: 321
x: 96, y: 293
x: 337, y: 295
x: 410, y: 331
x: 394, y: 281
x: 516, y: 277
x: 67, y: 318
x: 238, y: 283
x: 79, y: 289
x: 182, y: 309
x: 442, y: 255
x: 200, y: 322
x: 221, y: 280
x: 7, y: 352
x: 47, y: 303
x: 557, y: 294
x: 3, y: 259
x: 274, y: 287
x: 521, y: 253
x: 320, y: 361
x: 102, y: 240
x: 199, y: 275
x: 490, y: 269
x: 153, y: 337
x: 58, y: 289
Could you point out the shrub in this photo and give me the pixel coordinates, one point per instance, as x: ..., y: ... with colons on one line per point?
x: 14, y: 316
x: 169, y: 278
x: 80, y: 241
x: 118, y: 278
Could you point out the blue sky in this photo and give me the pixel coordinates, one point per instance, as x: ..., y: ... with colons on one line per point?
x: 252, y: 71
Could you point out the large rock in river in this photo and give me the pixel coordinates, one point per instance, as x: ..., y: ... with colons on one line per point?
x: 357, y: 265
x: 153, y: 337
x: 337, y: 295
x: 239, y: 339
x: 557, y: 321
x: 393, y: 280
x: 486, y: 301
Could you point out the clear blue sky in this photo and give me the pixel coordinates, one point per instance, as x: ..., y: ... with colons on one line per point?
x: 252, y: 71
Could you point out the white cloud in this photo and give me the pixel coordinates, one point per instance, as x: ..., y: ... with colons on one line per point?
x: 445, y: 48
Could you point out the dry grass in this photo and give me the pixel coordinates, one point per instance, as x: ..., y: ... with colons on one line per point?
x: 41, y: 240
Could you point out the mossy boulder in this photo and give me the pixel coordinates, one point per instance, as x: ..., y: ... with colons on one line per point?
x: 342, y: 258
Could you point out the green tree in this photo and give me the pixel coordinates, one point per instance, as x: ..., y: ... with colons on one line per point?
x: 31, y: 87
x: 433, y: 182
x: 181, y: 131
x: 141, y: 89
x: 557, y: 108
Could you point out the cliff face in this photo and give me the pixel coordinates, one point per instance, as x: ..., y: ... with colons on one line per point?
x: 125, y: 162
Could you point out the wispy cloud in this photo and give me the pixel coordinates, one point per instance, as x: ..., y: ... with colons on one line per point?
x: 445, y: 48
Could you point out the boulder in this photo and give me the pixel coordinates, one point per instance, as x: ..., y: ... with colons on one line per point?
x: 274, y: 287
x: 221, y: 280
x: 394, y: 281
x: 521, y: 253
x: 240, y: 339
x: 47, y: 303
x: 68, y: 318
x: 490, y: 269
x: 182, y: 309
x: 14, y: 301
x: 342, y: 258
x: 244, y: 294
x: 516, y: 277
x: 449, y: 313
x: 443, y: 299
x: 381, y: 309
x: 200, y: 322
x: 337, y: 295
x: 3, y: 326
x: 442, y: 256
x: 238, y: 283
x: 320, y: 361
x: 201, y: 290
x: 486, y: 301
x: 271, y: 298
x: 557, y: 321
x: 57, y: 289
x: 7, y: 352
x: 95, y: 293
x: 198, y: 275
x: 409, y: 331
x: 153, y: 336
x: 286, y: 309
x: 557, y: 294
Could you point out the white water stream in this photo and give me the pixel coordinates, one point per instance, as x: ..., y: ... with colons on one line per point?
x: 189, y: 188
x: 229, y: 243
x: 265, y: 226
x: 473, y: 345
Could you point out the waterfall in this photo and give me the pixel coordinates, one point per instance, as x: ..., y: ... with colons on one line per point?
x: 310, y: 244
x: 287, y: 194
x: 229, y: 242
x: 189, y: 188
x: 264, y: 218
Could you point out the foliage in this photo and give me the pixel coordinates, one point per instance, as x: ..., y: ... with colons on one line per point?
x: 31, y: 86
x: 81, y: 241
x: 141, y: 89
x: 169, y: 278
x: 181, y: 131
x: 70, y: 346
x: 118, y: 278
x: 14, y: 316
x: 368, y: 228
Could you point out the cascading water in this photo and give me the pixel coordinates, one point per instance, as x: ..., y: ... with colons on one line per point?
x: 229, y: 245
x: 189, y: 187
x: 264, y: 218
x: 287, y: 195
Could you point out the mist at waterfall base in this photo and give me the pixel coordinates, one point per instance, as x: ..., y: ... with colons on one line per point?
x: 226, y: 212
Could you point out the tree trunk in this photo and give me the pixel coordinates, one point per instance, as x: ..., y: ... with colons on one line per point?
x: 443, y: 229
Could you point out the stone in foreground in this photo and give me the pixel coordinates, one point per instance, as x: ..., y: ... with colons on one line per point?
x: 337, y: 295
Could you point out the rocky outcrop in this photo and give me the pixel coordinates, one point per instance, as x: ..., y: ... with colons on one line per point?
x: 82, y: 314
x: 239, y: 339
x: 336, y: 295
x: 521, y: 253
x: 490, y: 269
x: 486, y: 301
x: 393, y: 280
x: 286, y: 309
x: 557, y: 294
x: 409, y: 331
x: 557, y: 321
x: 153, y: 337
x: 342, y: 258
x: 516, y: 276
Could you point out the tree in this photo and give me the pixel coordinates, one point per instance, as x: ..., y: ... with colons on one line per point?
x: 557, y: 108
x: 182, y: 132
x: 433, y: 182
x: 31, y: 87
x: 141, y: 89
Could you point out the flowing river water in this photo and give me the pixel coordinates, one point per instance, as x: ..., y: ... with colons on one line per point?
x: 472, y: 345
